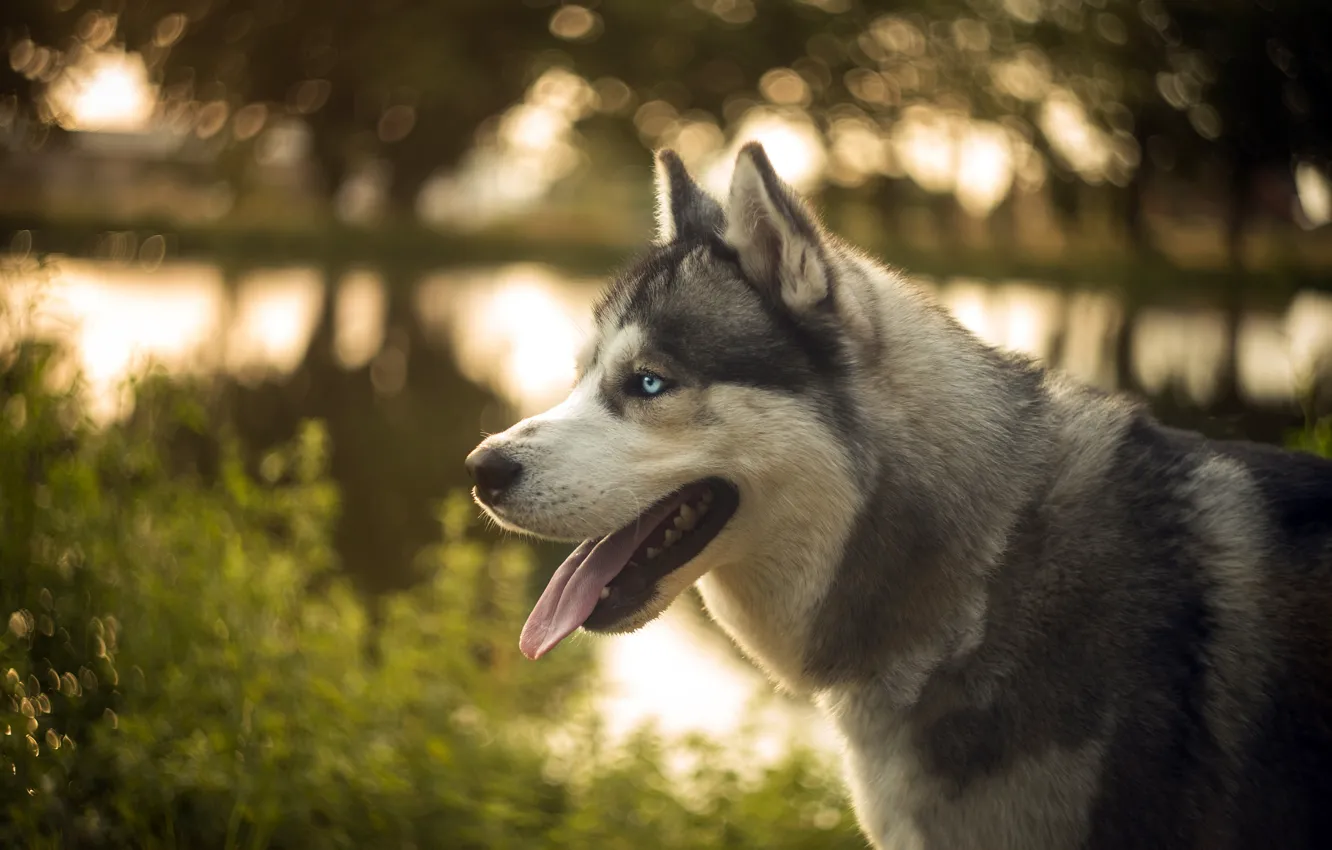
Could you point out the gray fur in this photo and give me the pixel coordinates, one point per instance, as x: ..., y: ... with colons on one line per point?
x: 1038, y: 618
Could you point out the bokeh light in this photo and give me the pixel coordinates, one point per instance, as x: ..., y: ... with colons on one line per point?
x: 108, y: 91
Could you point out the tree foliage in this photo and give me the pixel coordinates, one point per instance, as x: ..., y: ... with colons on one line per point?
x: 1097, y: 89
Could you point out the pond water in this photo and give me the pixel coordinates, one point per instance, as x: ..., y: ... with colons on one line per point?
x: 516, y: 329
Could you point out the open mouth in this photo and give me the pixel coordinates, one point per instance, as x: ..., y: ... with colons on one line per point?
x: 608, y: 579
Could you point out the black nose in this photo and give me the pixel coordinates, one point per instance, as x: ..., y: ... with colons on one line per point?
x: 493, y: 471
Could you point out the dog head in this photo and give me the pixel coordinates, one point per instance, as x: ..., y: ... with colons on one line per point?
x: 708, y: 424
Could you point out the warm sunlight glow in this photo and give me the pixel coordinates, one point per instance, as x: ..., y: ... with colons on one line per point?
x: 540, y: 347
x: 925, y: 141
x: 1085, y: 147
x: 1025, y: 318
x: 1014, y: 316
x: 968, y: 300
x: 1264, y: 362
x: 791, y: 141
x: 1026, y: 77
x: 275, y: 315
x: 1180, y: 347
x: 1089, y: 321
x: 1315, y: 194
x: 122, y: 320
x: 947, y: 152
x: 984, y: 167
x: 669, y: 675
x: 532, y: 147
x: 359, y: 316
x: 857, y: 151
x: 1309, y: 329
x: 108, y: 91
x: 516, y: 330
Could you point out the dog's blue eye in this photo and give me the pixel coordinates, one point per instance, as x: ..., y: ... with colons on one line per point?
x: 651, y: 384
x: 647, y: 385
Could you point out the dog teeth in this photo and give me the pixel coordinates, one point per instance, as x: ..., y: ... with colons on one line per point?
x: 605, y: 592
x: 687, y: 519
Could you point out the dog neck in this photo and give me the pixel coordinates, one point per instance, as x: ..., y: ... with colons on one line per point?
x: 871, y: 566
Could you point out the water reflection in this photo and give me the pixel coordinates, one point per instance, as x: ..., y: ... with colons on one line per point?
x: 275, y: 312
x: 517, y: 330
x: 120, y: 319
x: 361, y: 310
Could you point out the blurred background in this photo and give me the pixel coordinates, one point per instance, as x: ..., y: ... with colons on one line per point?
x: 271, y: 268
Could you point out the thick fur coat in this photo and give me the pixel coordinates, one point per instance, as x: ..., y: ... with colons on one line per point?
x: 1039, y: 619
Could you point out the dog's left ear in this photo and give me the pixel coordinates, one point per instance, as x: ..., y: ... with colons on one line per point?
x: 778, y: 240
x: 684, y: 210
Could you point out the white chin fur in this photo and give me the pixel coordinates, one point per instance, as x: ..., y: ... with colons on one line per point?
x: 528, y: 530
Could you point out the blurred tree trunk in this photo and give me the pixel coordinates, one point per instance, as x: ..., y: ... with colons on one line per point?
x: 1238, y: 195
x: 1001, y: 224
x: 1126, y: 379
x: 330, y: 161
x: 1134, y: 211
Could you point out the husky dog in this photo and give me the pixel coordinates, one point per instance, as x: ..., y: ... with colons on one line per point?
x: 1038, y: 618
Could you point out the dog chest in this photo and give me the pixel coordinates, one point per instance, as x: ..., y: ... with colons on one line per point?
x: 1040, y: 802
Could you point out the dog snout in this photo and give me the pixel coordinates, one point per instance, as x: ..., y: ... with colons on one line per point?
x: 494, y: 473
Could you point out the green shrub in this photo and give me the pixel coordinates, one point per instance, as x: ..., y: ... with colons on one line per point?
x: 1316, y: 438
x: 170, y: 681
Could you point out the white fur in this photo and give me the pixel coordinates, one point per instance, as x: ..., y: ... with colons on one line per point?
x: 785, y: 541
x: 587, y: 472
x: 590, y: 473
x: 665, y: 215
x: 887, y: 787
x: 770, y: 248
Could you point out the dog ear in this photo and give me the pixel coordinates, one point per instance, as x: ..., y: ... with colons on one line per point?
x: 684, y: 210
x: 778, y: 240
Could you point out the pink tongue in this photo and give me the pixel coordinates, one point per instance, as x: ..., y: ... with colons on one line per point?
x: 575, y: 589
